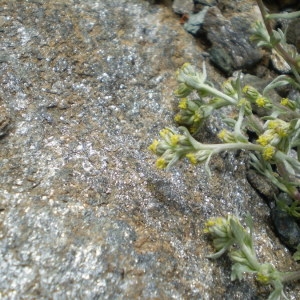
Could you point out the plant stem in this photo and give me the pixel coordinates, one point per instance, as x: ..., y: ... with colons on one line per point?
x: 292, y: 62
x: 229, y: 146
x: 291, y: 276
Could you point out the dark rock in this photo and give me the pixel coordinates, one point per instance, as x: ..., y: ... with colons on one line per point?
x: 276, y: 5
x: 230, y: 38
x: 293, y: 33
x: 286, y: 228
x: 221, y: 58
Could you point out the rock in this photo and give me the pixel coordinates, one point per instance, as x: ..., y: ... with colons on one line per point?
x: 221, y: 58
x: 5, y: 121
x: 230, y: 38
x: 286, y: 227
x: 84, y: 213
x: 231, y: 6
x: 278, y: 62
x: 263, y: 186
x: 183, y: 6
x: 282, y: 4
x: 293, y: 33
x: 200, y: 4
x: 195, y: 21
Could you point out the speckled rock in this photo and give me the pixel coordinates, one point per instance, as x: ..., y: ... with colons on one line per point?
x: 230, y: 38
x: 195, y: 21
x: 84, y: 214
x: 183, y: 6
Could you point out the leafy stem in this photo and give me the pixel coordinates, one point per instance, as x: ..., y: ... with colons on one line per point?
x: 293, y: 63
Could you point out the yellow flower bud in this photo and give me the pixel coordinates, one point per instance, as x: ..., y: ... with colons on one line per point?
x: 268, y: 152
x: 192, y: 158
x: 279, y: 126
x: 264, y: 139
x: 197, y: 116
x: 262, y: 278
x: 228, y: 88
x: 262, y: 101
x: 226, y: 136
x: 161, y: 163
x: 288, y: 103
x: 164, y: 132
x: 174, y: 139
x: 183, y: 103
x: 250, y: 92
x: 178, y: 118
x: 153, y: 146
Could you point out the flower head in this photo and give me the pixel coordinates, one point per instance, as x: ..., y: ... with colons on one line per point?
x: 153, y: 146
x: 192, y: 79
x: 268, y: 152
x: 192, y: 158
x: 250, y: 92
x: 183, y: 90
x: 266, y: 138
x: 161, y: 163
x: 229, y: 88
x: 262, y: 101
x: 280, y: 127
x: 288, y: 103
x: 183, y: 103
x: 226, y: 136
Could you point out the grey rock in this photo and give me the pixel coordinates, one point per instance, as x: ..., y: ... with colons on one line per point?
x: 286, y: 227
x: 232, y: 6
x: 183, y: 6
x: 293, y: 33
x: 263, y: 186
x: 230, y: 38
x: 5, y: 121
x: 84, y: 213
x: 200, y: 4
x: 195, y: 21
x: 221, y: 58
x: 278, y: 63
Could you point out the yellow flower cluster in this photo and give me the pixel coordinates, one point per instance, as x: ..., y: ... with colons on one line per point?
x: 190, y: 114
x: 280, y: 127
x: 250, y: 92
x: 268, y: 152
x: 266, y: 138
x: 226, y: 136
x: 277, y: 131
x: 262, y: 278
x: 170, y: 148
x: 262, y: 101
x: 217, y: 226
x: 254, y: 96
x: 192, y: 158
x: 288, y: 103
x: 161, y: 163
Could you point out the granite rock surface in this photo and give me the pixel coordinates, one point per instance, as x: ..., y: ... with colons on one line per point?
x: 85, y: 87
